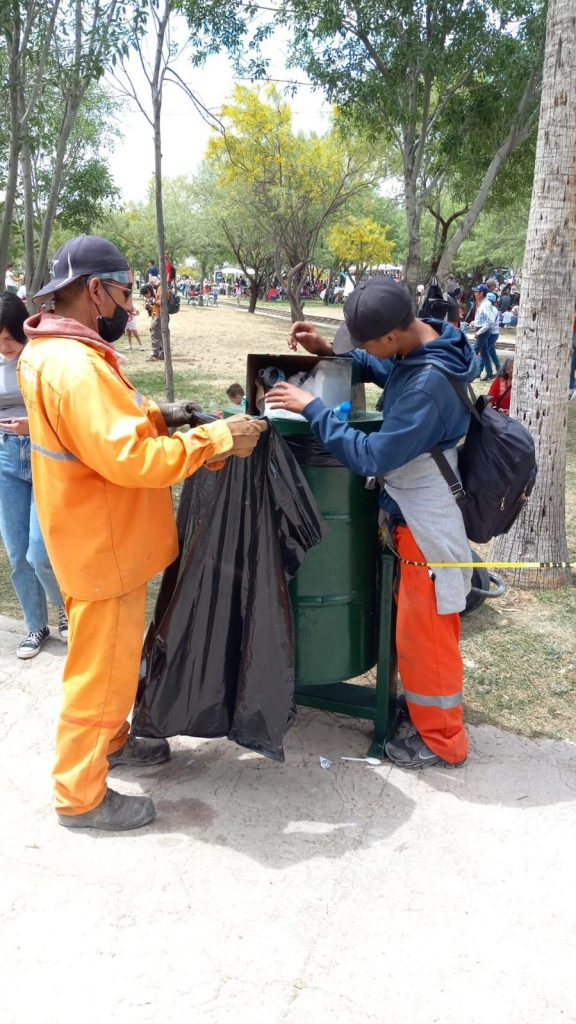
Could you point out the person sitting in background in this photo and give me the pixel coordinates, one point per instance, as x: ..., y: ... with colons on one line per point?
x: 236, y: 394
x: 32, y: 575
x: 500, y: 391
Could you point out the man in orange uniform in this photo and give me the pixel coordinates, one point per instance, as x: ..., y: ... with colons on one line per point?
x: 103, y: 464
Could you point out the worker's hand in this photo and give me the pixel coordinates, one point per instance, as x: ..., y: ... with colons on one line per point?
x: 17, y: 425
x: 245, y: 432
x: 288, y: 396
x: 180, y: 414
x: 306, y: 335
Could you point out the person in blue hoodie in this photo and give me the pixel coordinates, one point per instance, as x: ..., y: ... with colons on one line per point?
x: 412, y: 360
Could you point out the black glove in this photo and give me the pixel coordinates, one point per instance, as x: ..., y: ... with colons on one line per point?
x: 183, y: 414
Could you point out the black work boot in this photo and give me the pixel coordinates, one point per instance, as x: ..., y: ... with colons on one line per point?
x: 141, y: 751
x: 116, y: 813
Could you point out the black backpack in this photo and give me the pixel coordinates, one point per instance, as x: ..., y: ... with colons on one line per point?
x: 497, y: 463
x: 173, y: 302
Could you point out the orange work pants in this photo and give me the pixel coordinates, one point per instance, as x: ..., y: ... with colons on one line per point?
x: 429, y: 659
x: 100, y: 681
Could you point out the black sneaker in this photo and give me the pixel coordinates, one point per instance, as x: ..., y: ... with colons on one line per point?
x: 410, y: 751
x: 62, y: 623
x: 32, y: 644
x: 117, y: 813
x: 141, y: 751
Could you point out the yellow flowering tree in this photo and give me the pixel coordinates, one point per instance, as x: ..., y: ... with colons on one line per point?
x: 292, y: 185
x: 359, y: 243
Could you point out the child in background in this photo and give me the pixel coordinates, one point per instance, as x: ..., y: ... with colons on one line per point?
x: 236, y: 395
x: 132, y: 329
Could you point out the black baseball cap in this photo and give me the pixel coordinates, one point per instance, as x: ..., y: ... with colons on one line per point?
x: 374, y: 308
x: 86, y: 256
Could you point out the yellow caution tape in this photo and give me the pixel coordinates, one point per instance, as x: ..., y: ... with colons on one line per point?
x: 489, y: 565
x: 474, y: 565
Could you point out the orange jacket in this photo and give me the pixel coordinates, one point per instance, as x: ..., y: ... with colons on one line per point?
x: 102, y: 462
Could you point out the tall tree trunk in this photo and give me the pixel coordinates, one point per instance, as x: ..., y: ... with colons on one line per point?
x: 28, y: 190
x: 414, y: 257
x: 543, y: 346
x: 156, y: 87
x: 72, y: 108
x: 161, y: 237
x: 13, y: 152
x: 203, y: 273
x: 254, y: 290
x: 292, y: 284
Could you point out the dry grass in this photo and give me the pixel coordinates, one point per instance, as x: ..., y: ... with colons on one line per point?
x: 519, y: 651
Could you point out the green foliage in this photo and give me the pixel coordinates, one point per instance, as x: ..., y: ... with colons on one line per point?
x: 439, y: 80
x: 192, y: 226
x: 497, y: 240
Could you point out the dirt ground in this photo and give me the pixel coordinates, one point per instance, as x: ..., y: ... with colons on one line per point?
x: 519, y: 650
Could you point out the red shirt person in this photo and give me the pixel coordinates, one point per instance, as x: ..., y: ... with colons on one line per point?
x: 500, y: 391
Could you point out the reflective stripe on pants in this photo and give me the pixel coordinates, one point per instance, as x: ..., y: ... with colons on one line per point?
x: 100, y: 680
x: 429, y: 659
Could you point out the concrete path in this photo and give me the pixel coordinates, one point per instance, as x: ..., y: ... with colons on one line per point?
x: 288, y: 894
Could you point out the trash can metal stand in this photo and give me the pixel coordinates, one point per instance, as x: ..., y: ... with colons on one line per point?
x: 342, y: 597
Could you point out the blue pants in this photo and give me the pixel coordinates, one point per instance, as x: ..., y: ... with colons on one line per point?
x: 32, y: 574
x: 485, y: 348
x: 492, y: 341
x: 573, y: 369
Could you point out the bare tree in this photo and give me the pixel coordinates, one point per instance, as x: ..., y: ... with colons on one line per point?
x: 158, y: 71
x: 540, y: 392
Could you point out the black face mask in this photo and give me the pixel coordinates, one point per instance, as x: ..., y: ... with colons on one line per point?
x: 110, y: 328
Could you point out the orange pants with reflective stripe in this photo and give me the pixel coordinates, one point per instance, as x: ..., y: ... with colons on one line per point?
x: 100, y: 680
x: 429, y: 659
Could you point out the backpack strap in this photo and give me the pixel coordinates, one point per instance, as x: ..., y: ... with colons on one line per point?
x: 468, y: 396
x: 454, y: 485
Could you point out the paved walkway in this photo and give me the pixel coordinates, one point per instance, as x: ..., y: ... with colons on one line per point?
x: 272, y: 894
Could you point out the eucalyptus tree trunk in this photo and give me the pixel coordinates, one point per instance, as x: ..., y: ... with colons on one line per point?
x: 543, y: 346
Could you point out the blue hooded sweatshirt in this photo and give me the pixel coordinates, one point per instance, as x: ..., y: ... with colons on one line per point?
x: 420, y: 408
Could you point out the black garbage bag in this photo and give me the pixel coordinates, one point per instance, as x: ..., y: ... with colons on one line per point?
x: 218, y: 659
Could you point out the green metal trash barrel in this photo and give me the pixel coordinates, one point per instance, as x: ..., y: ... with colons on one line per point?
x: 335, y: 592
x: 342, y: 596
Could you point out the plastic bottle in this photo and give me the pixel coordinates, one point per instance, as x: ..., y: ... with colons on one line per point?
x: 342, y: 411
x: 244, y: 403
